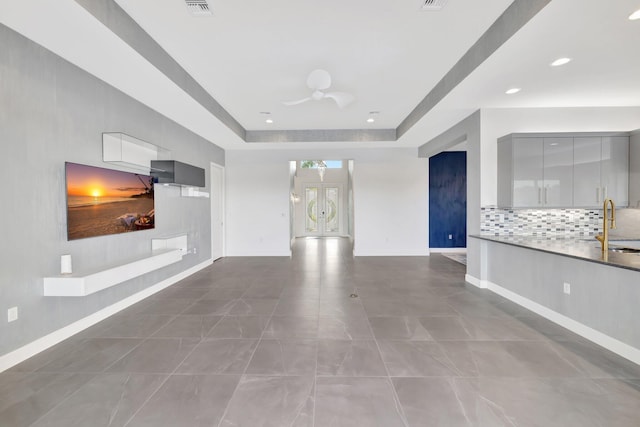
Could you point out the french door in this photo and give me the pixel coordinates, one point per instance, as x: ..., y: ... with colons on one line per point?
x: 322, y: 209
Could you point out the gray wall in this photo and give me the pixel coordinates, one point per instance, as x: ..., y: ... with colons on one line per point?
x: 52, y: 112
x: 602, y: 297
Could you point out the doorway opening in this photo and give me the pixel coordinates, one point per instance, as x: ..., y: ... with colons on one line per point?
x: 321, y: 199
x: 448, y: 203
x: 322, y: 209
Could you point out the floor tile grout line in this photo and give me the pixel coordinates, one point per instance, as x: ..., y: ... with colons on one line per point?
x: 66, y: 398
x: 162, y: 383
x: 95, y: 374
x: 396, y: 398
x: 315, y: 374
x: 583, y: 374
x: 244, y: 372
x: 168, y: 376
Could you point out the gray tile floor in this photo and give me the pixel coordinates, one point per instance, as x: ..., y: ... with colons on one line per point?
x: 280, y: 342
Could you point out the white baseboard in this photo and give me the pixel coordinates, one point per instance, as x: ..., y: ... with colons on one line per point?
x: 448, y: 250
x: 23, y: 353
x: 475, y: 282
x: 357, y: 252
x: 259, y: 254
x: 610, y: 343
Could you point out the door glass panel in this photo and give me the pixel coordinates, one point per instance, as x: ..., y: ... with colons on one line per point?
x: 331, y: 210
x: 311, y: 211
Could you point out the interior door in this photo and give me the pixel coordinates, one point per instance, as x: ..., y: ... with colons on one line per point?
x: 323, y: 210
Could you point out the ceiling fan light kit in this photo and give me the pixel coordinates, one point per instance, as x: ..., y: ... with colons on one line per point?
x: 318, y: 81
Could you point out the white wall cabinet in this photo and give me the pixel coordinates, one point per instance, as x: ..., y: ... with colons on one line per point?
x: 125, y: 150
x: 563, y: 170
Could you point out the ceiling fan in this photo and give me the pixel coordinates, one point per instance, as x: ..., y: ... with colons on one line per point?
x: 318, y: 81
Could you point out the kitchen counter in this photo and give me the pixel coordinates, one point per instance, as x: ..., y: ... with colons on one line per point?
x: 567, y: 281
x: 586, y: 248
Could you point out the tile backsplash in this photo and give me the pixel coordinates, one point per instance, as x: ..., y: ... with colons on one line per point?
x: 564, y: 223
x: 628, y: 224
x: 540, y: 222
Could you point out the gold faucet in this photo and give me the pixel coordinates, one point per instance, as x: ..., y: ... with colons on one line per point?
x: 604, y: 237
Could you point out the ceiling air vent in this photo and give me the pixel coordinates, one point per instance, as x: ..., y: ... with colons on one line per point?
x: 433, y: 4
x: 198, y: 7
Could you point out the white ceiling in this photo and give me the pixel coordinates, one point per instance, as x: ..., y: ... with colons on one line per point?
x: 604, y: 71
x: 251, y: 55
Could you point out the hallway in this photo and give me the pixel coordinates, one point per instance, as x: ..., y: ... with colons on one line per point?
x: 281, y: 342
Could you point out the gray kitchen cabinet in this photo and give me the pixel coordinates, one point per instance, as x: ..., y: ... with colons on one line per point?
x: 521, y: 161
x: 634, y: 169
x: 535, y: 171
x: 615, y: 169
x: 558, y: 182
x: 587, y: 171
x: 563, y: 169
x: 601, y: 170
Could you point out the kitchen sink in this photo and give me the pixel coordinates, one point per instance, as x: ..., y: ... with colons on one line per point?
x: 625, y: 246
x: 621, y: 246
x: 624, y: 250
x: 630, y: 244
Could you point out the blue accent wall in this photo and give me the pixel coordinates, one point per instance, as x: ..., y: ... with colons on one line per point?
x: 448, y: 200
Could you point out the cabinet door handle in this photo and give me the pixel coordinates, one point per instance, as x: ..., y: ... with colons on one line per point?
x: 539, y: 195
x: 604, y: 193
x: 545, y: 195
x: 597, y: 194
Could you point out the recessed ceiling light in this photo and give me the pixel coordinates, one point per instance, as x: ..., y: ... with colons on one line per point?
x: 635, y: 15
x: 370, y: 120
x: 560, y: 61
x: 513, y: 90
x: 268, y: 121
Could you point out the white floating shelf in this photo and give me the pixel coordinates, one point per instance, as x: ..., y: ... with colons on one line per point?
x: 81, y: 285
x: 176, y: 242
x: 193, y: 192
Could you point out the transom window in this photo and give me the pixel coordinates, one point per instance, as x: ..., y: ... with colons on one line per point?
x: 313, y: 164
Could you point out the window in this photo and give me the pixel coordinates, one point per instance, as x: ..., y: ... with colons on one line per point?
x: 313, y: 164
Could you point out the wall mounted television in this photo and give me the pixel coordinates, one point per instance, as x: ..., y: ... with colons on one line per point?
x: 105, y: 201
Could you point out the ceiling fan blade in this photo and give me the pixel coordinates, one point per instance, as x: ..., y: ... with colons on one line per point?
x: 319, y: 80
x: 342, y: 98
x: 300, y: 101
